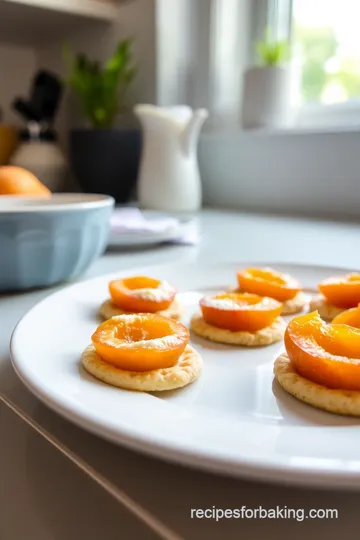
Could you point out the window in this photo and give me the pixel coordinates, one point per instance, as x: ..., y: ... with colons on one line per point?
x: 214, y: 42
x: 326, y: 48
x: 325, y: 56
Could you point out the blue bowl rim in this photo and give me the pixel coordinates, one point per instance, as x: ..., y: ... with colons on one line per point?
x: 58, y: 202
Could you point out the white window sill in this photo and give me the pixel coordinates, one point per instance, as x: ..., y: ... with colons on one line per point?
x: 293, y: 130
x: 313, y: 171
x: 309, y: 119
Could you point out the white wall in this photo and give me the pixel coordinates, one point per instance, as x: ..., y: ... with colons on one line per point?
x: 315, y: 173
x: 17, y: 66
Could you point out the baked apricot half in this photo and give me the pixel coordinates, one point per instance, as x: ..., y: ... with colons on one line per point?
x: 351, y: 317
x: 268, y: 282
x: 342, y: 291
x: 327, y: 354
x: 240, y: 311
x: 141, y: 341
x: 141, y: 294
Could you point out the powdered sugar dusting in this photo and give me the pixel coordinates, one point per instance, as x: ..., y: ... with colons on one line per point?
x: 127, y: 318
x: 223, y: 303
x: 228, y: 304
x: 158, y: 344
x: 159, y: 294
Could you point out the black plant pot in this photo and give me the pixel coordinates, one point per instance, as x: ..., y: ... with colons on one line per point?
x: 106, y: 160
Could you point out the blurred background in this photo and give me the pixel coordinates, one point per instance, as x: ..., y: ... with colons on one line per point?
x: 277, y: 77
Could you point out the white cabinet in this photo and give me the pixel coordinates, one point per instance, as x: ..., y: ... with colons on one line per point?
x: 35, y: 22
x: 97, y: 9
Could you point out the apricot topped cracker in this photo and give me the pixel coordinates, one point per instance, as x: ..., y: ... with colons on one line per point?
x: 146, y: 352
x: 337, y: 293
x: 239, y: 319
x: 141, y: 294
x: 273, y: 284
x: 322, y: 364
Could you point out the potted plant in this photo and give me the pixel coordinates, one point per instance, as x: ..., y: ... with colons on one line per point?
x: 104, y: 158
x: 267, y: 88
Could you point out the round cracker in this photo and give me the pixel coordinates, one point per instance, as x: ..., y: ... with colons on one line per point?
x: 187, y: 370
x: 108, y: 310
x: 294, y: 305
x: 326, y: 311
x: 265, y: 336
x: 345, y: 402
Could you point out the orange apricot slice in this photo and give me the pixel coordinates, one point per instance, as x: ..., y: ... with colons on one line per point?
x: 351, y: 317
x: 342, y: 291
x: 240, y: 312
x: 141, y: 294
x: 327, y: 354
x: 141, y: 341
x: 21, y: 182
x: 268, y: 282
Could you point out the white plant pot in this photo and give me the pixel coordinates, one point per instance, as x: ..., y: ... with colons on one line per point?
x: 267, y: 98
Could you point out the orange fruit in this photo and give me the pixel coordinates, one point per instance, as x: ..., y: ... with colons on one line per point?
x: 141, y: 341
x: 141, y: 294
x: 342, y: 291
x: 18, y: 181
x: 351, y: 317
x: 327, y: 354
x: 268, y: 282
x: 240, y: 312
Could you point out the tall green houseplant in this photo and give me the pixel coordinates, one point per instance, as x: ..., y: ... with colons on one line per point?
x: 101, y: 89
x: 104, y: 158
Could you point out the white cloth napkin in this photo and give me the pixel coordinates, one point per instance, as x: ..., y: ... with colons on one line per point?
x: 131, y: 221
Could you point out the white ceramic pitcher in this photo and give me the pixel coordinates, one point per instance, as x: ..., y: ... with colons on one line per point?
x: 169, y: 173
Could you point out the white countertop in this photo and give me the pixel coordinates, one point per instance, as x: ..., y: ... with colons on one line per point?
x: 167, y: 491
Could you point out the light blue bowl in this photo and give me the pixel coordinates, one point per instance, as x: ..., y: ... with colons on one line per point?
x: 43, y: 242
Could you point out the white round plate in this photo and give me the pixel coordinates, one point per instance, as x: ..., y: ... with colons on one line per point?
x: 170, y: 234
x: 235, y: 419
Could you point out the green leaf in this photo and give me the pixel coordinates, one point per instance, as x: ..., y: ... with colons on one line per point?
x: 101, y: 89
x: 272, y: 52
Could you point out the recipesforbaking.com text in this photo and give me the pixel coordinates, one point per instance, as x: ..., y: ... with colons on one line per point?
x: 260, y: 512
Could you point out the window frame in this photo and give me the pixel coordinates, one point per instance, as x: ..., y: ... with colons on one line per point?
x: 204, y: 71
x: 311, y: 115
